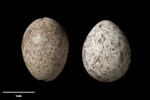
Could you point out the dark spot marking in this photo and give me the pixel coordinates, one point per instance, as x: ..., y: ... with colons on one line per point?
x: 90, y: 70
x: 119, y: 44
x: 105, y: 74
x: 40, y: 59
x: 109, y: 27
x: 112, y: 42
x: 100, y: 25
x: 98, y: 77
x: 121, y: 67
x: 113, y: 76
x: 106, y: 57
x: 103, y: 37
x: 116, y: 52
x: 53, y: 58
x: 94, y: 57
x: 97, y: 59
x: 113, y: 49
x: 107, y: 46
x: 114, y: 27
x: 121, y: 57
x: 107, y: 68
x: 92, y: 54
x: 94, y: 35
x: 103, y: 46
x: 120, y: 38
x: 100, y: 41
x: 101, y: 66
x: 92, y: 64
x: 129, y: 53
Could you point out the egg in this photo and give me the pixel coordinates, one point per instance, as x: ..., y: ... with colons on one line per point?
x: 106, y: 52
x: 45, y: 48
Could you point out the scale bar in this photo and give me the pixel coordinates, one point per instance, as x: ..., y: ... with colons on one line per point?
x: 18, y: 92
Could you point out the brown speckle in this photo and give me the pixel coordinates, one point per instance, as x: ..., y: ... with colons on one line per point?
x: 100, y: 41
x: 113, y: 49
x: 107, y: 68
x: 100, y: 25
x: 119, y: 44
x: 107, y: 46
x: 103, y: 37
x: 121, y: 57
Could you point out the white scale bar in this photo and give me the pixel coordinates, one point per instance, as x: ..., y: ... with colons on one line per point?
x: 18, y: 92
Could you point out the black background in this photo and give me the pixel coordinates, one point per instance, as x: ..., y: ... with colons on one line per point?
x: 74, y: 80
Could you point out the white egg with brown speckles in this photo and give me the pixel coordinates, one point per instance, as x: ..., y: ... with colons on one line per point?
x: 45, y: 48
x: 106, y: 52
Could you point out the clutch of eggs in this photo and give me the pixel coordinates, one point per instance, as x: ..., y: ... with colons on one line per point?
x: 106, y: 52
x: 45, y: 48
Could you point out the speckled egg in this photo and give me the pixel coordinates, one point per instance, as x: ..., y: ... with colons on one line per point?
x: 45, y: 48
x: 106, y: 52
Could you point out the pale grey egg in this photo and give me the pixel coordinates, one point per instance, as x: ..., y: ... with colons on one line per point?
x: 45, y: 48
x: 106, y: 52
